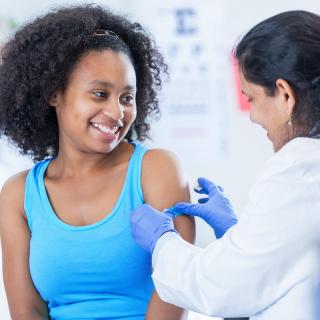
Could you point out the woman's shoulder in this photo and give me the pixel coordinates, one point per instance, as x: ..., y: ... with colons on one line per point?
x: 14, y: 186
x: 159, y: 152
x: 299, y: 158
x: 161, y: 161
x: 162, y: 172
x: 12, y: 195
x: 300, y: 148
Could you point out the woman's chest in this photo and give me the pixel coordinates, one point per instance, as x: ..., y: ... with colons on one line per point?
x: 61, y: 263
x: 84, y: 202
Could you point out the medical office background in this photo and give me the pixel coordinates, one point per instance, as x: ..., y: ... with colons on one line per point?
x: 204, y: 120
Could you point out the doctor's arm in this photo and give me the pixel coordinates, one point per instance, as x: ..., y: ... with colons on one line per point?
x: 164, y: 184
x: 254, y: 264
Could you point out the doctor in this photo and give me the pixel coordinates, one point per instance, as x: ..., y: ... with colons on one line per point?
x: 266, y: 265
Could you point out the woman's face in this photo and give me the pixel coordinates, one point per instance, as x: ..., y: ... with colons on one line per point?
x: 98, y: 106
x: 271, y: 112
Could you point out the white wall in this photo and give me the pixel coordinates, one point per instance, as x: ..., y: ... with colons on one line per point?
x: 215, y: 139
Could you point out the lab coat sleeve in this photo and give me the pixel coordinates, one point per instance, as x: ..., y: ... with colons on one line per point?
x: 256, y: 262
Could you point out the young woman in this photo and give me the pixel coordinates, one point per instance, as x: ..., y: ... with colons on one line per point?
x: 77, y: 86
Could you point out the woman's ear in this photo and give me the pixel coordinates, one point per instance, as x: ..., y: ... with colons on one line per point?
x: 287, y: 95
x: 54, y: 100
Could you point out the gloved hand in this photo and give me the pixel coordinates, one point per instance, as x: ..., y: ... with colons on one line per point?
x: 216, y: 209
x: 149, y: 224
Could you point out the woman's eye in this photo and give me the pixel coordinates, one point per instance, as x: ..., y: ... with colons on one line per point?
x: 127, y: 99
x: 100, y: 94
x: 249, y: 99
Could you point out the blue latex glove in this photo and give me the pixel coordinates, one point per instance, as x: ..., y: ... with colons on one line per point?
x: 149, y: 224
x: 216, y: 209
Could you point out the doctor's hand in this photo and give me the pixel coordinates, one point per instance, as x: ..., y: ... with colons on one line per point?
x: 215, y: 209
x: 149, y: 224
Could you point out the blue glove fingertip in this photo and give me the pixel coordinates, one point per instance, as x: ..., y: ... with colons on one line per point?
x: 203, y: 200
x: 199, y: 190
x: 173, y: 211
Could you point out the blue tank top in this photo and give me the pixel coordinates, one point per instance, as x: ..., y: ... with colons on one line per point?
x: 89, y: 272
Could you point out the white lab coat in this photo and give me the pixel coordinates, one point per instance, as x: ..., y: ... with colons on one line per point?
x: 267, y: 266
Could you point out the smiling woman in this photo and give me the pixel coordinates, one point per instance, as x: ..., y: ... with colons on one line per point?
x: 88, y: 82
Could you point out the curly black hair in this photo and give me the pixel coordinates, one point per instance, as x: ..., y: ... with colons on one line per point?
x: 38, y: 59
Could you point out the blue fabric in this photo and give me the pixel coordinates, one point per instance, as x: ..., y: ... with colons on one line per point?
x: 89, y: 272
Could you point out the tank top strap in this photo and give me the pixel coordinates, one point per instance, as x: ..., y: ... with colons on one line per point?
x: 135, y: 169
x: 32, y: 198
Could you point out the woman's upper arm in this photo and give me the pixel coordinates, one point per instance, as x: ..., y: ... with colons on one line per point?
x: 164, y: 184
x: 24, y: 301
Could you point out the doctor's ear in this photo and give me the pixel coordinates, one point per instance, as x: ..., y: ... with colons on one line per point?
x: 286, y: 93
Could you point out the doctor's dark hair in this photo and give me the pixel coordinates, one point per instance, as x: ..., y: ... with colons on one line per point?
x: 37, y: 61
x: 286, y: 46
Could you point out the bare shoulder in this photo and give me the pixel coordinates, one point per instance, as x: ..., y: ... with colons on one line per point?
x: 15, y: 184
x: 163, y: 178
x: 12, y: 193
x: 162, y: 153
x: 159, y: 162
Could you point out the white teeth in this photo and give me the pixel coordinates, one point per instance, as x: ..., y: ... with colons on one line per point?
x: 105, y: 129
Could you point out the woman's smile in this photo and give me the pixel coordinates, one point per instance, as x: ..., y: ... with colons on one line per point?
x: 108, y: 133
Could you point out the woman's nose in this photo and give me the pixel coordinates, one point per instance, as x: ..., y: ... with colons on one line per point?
x: 114, y: 110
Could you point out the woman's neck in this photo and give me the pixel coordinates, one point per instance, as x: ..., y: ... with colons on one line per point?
x: 74, y: 163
